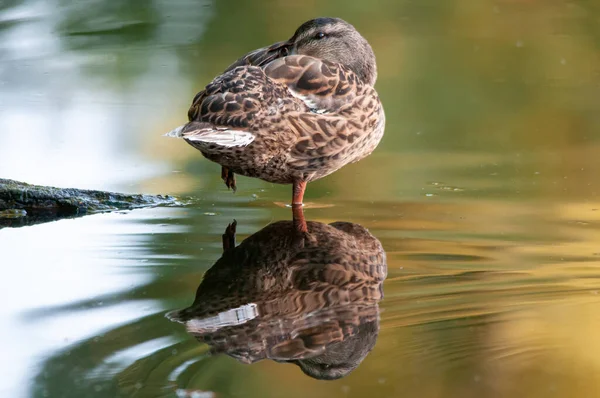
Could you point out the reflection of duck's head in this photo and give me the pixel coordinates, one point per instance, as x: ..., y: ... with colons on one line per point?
x: 304, y: 298
x: 341, y: 358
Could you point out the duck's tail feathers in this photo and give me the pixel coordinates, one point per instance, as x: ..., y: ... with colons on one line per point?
x: 199, y: 132
x: 176, y: 132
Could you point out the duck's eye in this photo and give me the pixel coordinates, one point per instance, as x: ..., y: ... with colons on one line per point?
x: 285, y: 52
x: 320, y: 35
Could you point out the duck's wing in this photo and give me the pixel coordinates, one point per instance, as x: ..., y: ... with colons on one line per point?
x: 223, y: 112
x: 220, y: 114
x: 343, y: 108
x: 322, y: 85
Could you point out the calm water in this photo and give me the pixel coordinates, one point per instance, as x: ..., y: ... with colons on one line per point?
x: 483, y: 194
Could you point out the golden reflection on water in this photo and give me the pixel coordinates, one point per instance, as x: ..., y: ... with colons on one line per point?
x: 503, y: 306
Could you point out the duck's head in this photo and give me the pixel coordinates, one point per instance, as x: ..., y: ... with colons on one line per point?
x: 335, y: 40
x: 331, y: 39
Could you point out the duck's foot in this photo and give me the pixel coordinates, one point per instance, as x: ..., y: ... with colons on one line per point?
x: 229, y: 236
x: 228, y: 178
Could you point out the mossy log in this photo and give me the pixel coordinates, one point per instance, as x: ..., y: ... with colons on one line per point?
x: 26, y: 204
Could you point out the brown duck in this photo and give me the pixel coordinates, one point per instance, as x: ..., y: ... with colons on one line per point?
x: 292, y: 112
x: 305, y: 298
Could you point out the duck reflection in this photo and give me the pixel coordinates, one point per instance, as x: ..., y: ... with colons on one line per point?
x: 307, y: 296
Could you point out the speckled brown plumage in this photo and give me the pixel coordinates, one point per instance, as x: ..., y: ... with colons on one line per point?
x: 312, y: 298
x: 292, y: 112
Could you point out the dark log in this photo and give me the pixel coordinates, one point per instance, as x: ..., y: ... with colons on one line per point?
x: 26, y: 204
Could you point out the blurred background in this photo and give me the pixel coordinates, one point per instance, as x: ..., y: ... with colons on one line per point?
x: 483, y: 192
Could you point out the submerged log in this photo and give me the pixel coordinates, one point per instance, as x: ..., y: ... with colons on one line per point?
x: 26, y: 204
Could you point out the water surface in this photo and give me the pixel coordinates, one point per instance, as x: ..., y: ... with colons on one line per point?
x: 483, y: 194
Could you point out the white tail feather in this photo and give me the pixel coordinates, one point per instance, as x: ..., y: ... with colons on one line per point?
x: 175, y: 133
x: 226, y: 138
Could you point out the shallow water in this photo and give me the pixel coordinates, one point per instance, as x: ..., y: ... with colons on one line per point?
x: 483, y: 194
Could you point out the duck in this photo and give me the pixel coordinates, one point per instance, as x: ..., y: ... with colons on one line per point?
x: 292, y: 112
x: 309, y: 299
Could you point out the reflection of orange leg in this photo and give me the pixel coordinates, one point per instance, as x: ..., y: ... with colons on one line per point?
x: 229, y: 236
x: 298, y: 192
x: 299, y: 221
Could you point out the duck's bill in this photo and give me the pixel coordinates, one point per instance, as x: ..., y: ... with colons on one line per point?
x: 264, y: 55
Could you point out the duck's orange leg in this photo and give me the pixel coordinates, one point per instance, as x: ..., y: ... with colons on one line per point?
x: 298, y: 192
